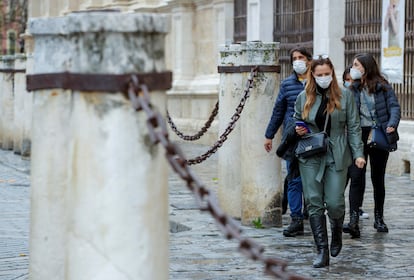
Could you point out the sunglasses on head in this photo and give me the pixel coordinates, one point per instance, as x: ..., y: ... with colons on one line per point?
x: 320, y: 56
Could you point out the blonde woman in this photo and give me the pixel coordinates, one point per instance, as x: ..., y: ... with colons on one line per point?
x: 324, y: 176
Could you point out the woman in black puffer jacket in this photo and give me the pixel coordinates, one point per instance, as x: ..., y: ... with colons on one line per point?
x: 378, y: 104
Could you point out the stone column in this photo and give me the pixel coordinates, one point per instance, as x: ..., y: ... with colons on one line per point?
x: 224, y: 13
x: 99, y: 201
x: 230, y: 92
x: 7, y: 102
x: 27, y: 60
x: 22, y: 110
x: 260, y: 171
x: 182, y: 20
x: 328, y: 29
x: 259, y: 19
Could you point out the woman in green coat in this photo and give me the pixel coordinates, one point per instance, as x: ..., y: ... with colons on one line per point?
x: 324, y: 176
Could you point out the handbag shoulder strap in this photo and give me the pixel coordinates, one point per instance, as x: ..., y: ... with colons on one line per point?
x: 326, y: 122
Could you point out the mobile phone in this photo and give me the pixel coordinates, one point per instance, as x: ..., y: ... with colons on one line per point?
x: 303, y: 124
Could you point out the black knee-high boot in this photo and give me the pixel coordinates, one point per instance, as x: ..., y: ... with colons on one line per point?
x: 336, y: 232
x: 318, y: 225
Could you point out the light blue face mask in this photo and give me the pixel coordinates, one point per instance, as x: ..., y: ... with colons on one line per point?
x: 324, y: 81
x: 355, y: 74
x: 347, y: 84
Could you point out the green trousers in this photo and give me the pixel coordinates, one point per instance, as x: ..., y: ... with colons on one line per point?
x: 323, y: 186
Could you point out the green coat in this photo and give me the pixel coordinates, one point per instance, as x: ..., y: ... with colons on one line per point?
x: 345, y: 135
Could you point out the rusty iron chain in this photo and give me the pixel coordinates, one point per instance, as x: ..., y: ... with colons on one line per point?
x: 206, y: 200
x: 232, y: 123
x: 202, y: 130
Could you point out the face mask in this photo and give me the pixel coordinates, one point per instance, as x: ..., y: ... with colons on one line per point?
x: 299, y: 66
x: 324, y: 81
x: 347, y: 84
x: 355, y: 74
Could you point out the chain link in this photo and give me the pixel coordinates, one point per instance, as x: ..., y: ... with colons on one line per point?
x: 232, y: 123
x: 206, y: 200
x: 202, y: 130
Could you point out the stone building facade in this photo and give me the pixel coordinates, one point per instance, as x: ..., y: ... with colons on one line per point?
x: 198, y: 28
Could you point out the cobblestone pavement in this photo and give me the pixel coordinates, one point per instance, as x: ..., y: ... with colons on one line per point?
x: 203, y: 252
x: 198, y: 250
x: 14, y: 216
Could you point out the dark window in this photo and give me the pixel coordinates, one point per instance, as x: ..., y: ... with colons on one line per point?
x: 11, y: 42
x: 240, y: 20
x: 293, y: 26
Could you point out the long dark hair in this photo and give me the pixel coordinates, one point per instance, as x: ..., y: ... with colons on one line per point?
x: 334, y: 91
x: 372, y: 74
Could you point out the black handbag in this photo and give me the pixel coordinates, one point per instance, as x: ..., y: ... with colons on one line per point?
x: 377, y: 138
x: 313, y: 144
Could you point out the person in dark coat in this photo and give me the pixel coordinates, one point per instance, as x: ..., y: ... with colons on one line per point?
x: 282, y: 113
x: 377, y: 104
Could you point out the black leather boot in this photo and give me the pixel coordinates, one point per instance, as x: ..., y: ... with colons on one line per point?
x: 379, y: 222
x: 353, y: 226
x: 318, y: 225
x: 295, y: 228
x: 336, y: 233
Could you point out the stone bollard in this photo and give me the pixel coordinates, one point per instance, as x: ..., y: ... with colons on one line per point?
x: 99, y: 196
x: 261, y: 171
x: 7, y: 102
x: 230, y: 92
x: 249, y: 178
x: 22, y: 108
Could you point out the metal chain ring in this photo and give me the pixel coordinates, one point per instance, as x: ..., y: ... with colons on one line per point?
x: 202, y: 130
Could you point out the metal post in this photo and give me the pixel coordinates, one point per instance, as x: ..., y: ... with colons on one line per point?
x: 99, y: 202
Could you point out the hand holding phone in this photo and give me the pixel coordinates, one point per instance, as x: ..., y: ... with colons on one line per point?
x: 303, y: 124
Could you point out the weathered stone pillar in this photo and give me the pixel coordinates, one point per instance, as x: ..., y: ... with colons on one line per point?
x: 27, y: 60
x: 260, y: 171
x: 328, y: 30
x: 22, y: 107
x: 230, y: 93
x: 7, y: 102
x: 249, y: 178
x: 99, y: 201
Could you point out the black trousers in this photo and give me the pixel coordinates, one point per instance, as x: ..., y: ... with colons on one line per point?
x: 378, y: 162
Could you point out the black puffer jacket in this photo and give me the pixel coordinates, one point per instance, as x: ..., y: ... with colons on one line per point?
x: 387, y: 108
x: 286, y: 149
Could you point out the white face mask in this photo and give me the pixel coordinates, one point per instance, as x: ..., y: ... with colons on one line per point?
x: 299, y: 66
x: 355, y: 74
x: 324, y: 81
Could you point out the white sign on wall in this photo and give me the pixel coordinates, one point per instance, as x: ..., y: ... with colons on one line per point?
x: 392, y: 40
